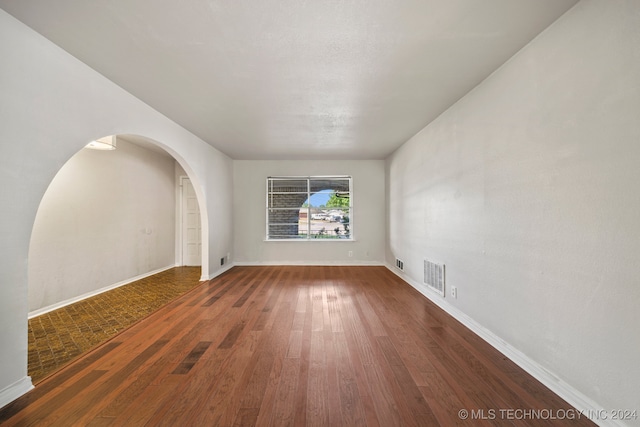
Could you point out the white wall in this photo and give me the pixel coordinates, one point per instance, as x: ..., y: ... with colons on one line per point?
x: 527, y: 189
x: 250, y: 214
x: 51, y: 106
x: 107, y: 216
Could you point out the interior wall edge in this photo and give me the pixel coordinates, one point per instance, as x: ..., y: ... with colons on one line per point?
x: 15, y: 390
x: 217, y: 273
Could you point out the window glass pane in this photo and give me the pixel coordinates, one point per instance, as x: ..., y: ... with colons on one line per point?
x: 336, y: 183
x: 314, y: 208
x: 286, y: 193
x: 284, y: 231
x: 284, y: 222
x: 320, y: 198
x: 288, y: 185
x: 287, y: 201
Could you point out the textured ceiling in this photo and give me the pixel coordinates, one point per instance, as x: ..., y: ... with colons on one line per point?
x: 294, y: 79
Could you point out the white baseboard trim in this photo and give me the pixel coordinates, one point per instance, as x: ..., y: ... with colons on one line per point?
x: 15, y: 390
x: 64, y: 303
x: 218, y: 272
x: 312, y: 263
x: 583, y: 404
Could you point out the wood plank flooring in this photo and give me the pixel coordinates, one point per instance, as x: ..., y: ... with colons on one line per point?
x: 280, y: 346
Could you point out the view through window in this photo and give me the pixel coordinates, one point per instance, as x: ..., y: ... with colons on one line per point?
x: 305, y: 208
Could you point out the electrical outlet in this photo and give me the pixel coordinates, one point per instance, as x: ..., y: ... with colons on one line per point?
x: 350, y: 253
x: 454, y: 292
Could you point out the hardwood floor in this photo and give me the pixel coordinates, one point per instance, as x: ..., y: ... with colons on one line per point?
x: 323, y: 346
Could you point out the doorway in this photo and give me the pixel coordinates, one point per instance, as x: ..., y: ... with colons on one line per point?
x: 191, y: 228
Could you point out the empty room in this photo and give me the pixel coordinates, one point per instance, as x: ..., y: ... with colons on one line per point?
x: 320, y: 213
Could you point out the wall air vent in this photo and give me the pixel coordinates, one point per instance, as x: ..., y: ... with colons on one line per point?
x: 434, y: 276
x: 400, y: 264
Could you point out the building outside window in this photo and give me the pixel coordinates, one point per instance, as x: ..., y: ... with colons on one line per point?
x: 308, y: 208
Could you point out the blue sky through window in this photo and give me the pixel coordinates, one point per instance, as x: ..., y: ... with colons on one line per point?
x: 320, y: 198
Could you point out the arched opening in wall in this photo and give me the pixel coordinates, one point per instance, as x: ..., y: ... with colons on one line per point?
x: 103, y: 250
x: 190, y: 234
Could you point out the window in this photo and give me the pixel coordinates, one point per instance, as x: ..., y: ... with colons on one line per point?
x: 307, y: 208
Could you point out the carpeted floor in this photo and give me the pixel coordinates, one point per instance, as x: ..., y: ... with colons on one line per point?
x: 58, y: 337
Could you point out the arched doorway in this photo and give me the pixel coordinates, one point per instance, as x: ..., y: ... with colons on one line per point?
x: 107, y: 219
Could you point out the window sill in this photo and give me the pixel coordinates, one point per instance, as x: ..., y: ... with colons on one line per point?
x: 311, y: 240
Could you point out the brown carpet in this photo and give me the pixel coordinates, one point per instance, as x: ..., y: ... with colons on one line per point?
x: 60, y: 336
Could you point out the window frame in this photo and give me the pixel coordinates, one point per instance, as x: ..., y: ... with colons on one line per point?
x: 309, y: 237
